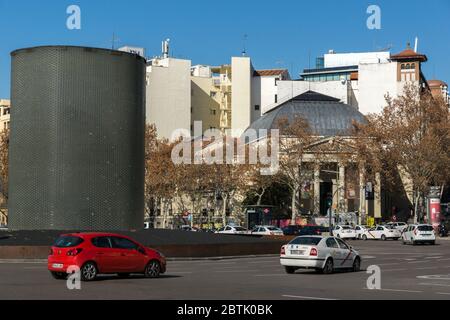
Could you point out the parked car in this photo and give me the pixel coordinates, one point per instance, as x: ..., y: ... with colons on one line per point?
x: 292, y: 230
x: 189, y: 228
x: 381, y: 233
x: 310, y: 231
x: 267, y: 231
x: 400, y: 226
x: 232, y: 230
x: 360, y: 231
x: 344, y: 232
x: 419, y: 233
x: 324, y: 254
x: 103, y: 253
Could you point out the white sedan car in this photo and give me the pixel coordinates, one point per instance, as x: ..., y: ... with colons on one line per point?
x: 267, y: 231
x: 232, y: 230
x: 419, y: 233
x: 323, y: 254
x: 360, y: 231
x: 400, y: 226
x: 381, y: 233
x: 344, y: 232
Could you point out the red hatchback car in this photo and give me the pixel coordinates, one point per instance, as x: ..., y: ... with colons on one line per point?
x: 103, y: 253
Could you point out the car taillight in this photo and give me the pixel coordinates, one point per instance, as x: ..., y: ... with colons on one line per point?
x: 283, y: 250
x: 313, y: 252
x: 50, y: 252
x: 74, y: 252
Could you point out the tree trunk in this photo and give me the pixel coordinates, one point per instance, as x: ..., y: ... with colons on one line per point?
x: 224, y: 209
x: 260, y: 196
x: 294, y: 205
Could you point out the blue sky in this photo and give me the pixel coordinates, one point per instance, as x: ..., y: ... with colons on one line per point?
x: 283, y: 33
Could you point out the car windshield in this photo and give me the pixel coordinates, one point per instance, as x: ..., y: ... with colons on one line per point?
x: 239, y: 229
x: 68, y: 242
x: 425, y: 228
x: 307, y: 241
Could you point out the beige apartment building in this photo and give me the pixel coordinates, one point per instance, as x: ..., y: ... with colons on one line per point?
x: 5, y: 114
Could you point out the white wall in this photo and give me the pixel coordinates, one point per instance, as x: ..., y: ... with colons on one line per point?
x: 375, y: 82
x: 169, y: 96
x: 336, y: 89
x: 353, y: 59
x: 241, y: 97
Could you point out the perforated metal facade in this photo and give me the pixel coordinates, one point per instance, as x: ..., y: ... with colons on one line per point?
x: 77, y: 139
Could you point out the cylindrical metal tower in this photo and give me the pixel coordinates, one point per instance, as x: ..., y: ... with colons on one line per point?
x: 77, y: 139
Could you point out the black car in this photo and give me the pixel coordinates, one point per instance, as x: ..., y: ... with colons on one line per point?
x: 311, y: 231
x: 291, y: 230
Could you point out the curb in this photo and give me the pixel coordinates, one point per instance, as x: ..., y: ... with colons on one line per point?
x: 42, y: 261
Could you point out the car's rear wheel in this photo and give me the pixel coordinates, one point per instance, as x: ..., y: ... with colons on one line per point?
x: 383, y: 238
x: 153, y: 269
x: 290, y: 270
x: 357, y: 265
x: 329, y: 267
x: 364, y: 237
x: 59, y: 275
x: 89, y: 271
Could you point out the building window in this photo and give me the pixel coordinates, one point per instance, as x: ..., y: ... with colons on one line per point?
x: 257, y: 107
x: 276, y: 98
x: 213, y: 94
x: 213, y: 112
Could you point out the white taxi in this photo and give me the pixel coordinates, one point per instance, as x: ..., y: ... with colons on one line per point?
x: 419, y: 233
x: 344, y: 232
x: 323, y: 254
x: 267, y: 231
x: 360, y: 231
x: 381, y: 233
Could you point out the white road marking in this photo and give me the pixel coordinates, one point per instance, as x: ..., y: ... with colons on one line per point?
x: 427, y: 268
x: 435, y: 277
x: 395, y: 290
x: 307, y: 298
x: 236, y: 271
x: 434, y: 284
x: 391, y: 270
x: 443, y: 293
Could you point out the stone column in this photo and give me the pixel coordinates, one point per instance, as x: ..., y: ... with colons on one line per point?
x: 341, y: 191
x: 317, y: 189
x: 377, y: 204
x: 362, y: 193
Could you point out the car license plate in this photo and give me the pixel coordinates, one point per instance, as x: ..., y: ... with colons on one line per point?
x: 298, y: 252
x: 426, y: 234
x: 58, y: 266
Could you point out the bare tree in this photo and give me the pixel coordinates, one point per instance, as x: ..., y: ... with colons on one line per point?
x: 410, y: 138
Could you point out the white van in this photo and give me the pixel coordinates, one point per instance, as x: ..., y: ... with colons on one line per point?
x: 419, y: 233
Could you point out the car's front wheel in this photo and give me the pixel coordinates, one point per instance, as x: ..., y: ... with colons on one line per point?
x: 153, y: 269
x: 364, y: 237
x: 329, y: 267
x: 357, y: 265
x: 89, y: 271
x: 383, y: 238
x: 59, y: 275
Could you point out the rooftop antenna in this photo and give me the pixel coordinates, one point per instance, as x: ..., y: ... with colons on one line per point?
x: 244, y: 50
x: 114, y: 40
x: 165, y: 48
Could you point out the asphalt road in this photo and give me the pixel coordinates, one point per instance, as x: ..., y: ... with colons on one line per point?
x: 408, y: 272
